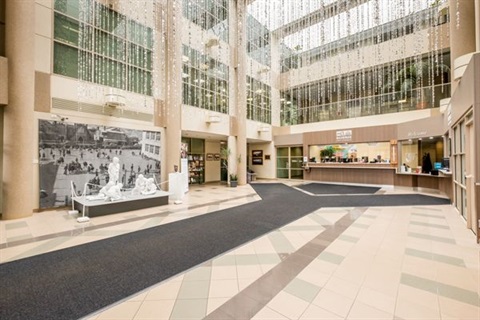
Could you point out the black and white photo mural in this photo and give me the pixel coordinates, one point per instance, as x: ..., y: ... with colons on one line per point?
x: 80, y: 154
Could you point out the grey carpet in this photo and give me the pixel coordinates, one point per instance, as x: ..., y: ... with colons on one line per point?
x: 74, y: 282
x: 324, y: 188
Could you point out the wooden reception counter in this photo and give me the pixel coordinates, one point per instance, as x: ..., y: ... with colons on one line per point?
x: 376, y: 173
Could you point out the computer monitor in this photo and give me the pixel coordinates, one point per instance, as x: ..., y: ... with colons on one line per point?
x: 446, y: 163
x: 437, y: 165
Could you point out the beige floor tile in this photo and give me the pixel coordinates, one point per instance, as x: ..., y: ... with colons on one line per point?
x: 268, y: 314
x: 361, y: 311
x: 224, y: 272
x: 458, y: 309
x: 342, y: 287
x: 316, y: 313
x: 158, y: 310
x: 409, y: 310
x: 458, y: 276
x: 125, y: 310
x: 223, y: 288
x: 245, y: 272
x: 166, y: 291
x: 377, y: 299
x: 244, y: 283
x: 288, y: 305
x: 214, y: 303
x: 417, y: 296
x: 333, y: 302
x: 314, y: 276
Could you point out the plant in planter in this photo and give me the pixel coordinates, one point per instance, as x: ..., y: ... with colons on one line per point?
x: 225, y: 153
x: 233, y: 180
x: 326, y: 153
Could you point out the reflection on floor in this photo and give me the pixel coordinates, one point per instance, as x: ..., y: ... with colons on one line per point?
x: 384, y: 263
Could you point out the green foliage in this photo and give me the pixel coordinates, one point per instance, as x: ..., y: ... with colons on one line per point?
x: 328, y: 151
x: 233, y: 177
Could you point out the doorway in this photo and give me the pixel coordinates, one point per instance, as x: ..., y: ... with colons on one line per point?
x: 289, y: 162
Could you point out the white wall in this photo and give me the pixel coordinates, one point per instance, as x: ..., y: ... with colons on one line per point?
x: 195, y: 119
x: 43, y: 36
x: 267, y: 170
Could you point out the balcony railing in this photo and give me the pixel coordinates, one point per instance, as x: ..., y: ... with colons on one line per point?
x: 421, y: 98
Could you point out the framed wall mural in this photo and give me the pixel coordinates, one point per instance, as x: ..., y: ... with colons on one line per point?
x: 257, y: 157
x: 78, y: 153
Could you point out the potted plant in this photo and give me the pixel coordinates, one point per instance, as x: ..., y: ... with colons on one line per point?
x: 233, y: 180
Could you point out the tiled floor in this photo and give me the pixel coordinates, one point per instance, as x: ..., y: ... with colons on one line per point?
x: 335, y: 263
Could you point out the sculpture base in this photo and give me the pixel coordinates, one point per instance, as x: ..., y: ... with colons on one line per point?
x: 95, y: 208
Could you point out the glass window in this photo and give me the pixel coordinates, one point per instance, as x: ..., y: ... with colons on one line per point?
x: 66, y: 29
x: 66, y: 62
x: 106, y: 38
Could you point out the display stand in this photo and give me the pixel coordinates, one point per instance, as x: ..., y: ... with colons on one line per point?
x: 176, y: 186
x: 184, y: 171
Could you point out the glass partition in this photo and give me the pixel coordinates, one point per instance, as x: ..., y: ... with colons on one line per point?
x: 421, y: 155
x: 373, y: 152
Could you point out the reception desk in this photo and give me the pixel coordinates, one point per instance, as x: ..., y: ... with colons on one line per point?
x: 377, y: 173
x: 364, y: 173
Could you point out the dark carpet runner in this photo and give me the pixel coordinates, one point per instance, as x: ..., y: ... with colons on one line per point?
x: 74, y: 282
x: 325, y: 188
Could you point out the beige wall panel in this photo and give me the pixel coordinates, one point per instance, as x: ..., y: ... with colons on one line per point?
x: 68, y: 88
x: 212, y: 168
x: 3, y: 81
x: 368, y: 134
x: 195, y: 119
x: 386, y: 119
x: 43, y: 21
x: 43, y: 53
x: 267, y: 170
x: 42, y: 92
x: 254, y: 133
x: 288, y: 140
x: 45, y: 3
x: 421, y: 128
x: 352, y: 175
x: 466, y: 93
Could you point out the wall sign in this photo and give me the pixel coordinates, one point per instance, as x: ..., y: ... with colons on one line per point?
x: 344, y: 135
x: 414, y: 134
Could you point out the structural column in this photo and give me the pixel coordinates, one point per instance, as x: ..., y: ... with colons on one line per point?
x: 18, y: 146
x: 462, y: 30
x: 173, y: 83
x: 240, y: 46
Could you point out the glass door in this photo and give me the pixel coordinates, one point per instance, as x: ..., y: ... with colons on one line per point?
x: 289, y: 163
x: 282, y: 163
x: 296, y: 162
x: 459, y: 170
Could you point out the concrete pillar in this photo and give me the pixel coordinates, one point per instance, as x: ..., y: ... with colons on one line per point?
x: 477, y: 25
x: 173, y: 82
x: 18, y: 147
x: 241, y: 94
x: 462, y: 38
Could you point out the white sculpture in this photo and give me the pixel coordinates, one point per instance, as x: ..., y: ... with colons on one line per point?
x: 139, y: 185
x: 150, y: 187
x: 114, y: 192
x: 114, y: 170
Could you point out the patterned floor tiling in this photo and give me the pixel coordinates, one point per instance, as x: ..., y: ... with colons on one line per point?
x: 381, y: 267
